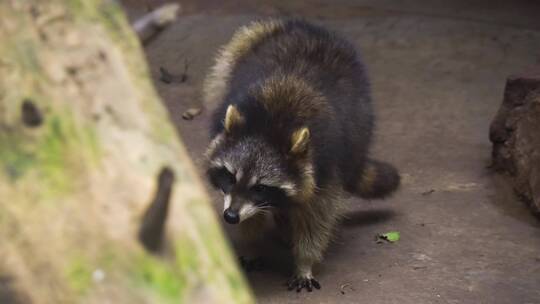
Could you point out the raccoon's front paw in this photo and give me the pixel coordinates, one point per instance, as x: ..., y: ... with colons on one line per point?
x: 249, y: 265
x: 299, y: 282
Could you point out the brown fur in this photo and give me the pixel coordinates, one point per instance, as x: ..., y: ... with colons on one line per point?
x: 284, y: 93
x: 378, y: 180
x: 368, y: 178
x: 252, y: 228
x: 312, y: 225
x: 243, y: 41
x: 307, y: 186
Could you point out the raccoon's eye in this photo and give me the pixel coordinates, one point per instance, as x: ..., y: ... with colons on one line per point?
x: 259, y: 188
x: 221, y: 178
x: 261, y: 193
x: 264, y: 194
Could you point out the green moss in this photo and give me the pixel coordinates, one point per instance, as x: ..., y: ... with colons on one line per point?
x: 91, y: 142
x: 211, y: 235
x: 220, y: 252
x: 78, y: 6
x: 15, y: 161
x: 25, y: 53
x: 57, y: 152
x: 53, y: 153
x: 79, y: 275
x: 114, y: 20
x: 235, y: 282
x: 215, y: 247
x: 162, y: 279
x: 186, y: 257
x: 64, y: 151
x: 108, y: 258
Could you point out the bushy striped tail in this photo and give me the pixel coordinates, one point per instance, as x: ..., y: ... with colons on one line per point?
x: 378, y: 180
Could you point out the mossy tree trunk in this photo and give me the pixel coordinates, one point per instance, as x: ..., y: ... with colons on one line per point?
x: 99, y: 202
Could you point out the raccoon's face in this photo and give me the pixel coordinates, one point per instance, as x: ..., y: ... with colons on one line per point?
x: 253, y: 175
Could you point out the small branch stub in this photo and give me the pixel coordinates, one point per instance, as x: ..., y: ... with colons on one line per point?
x: 153, y: 225
x: 31, y: 115
x: 151, y: 24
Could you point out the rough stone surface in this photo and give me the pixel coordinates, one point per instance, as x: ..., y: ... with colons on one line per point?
x: 515, y: 134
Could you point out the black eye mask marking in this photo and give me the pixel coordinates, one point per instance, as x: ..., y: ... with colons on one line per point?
x: 263, y: 194
x: 222, y: 179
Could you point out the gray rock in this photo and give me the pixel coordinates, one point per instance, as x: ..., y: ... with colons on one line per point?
x: 515, y: 134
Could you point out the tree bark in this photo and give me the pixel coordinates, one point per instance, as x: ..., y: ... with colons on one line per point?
x: 99, y: 202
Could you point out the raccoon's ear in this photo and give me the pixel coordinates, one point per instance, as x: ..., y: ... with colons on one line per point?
x: 233, y: 118
x: 300, y: 141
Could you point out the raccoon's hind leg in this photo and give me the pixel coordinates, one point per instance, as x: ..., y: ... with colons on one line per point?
x: 376, y: 180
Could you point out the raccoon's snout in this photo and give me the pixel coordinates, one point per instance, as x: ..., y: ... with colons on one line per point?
x: 231, y: 216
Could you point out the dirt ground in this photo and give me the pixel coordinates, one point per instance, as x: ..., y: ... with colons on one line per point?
x: 438, y: 70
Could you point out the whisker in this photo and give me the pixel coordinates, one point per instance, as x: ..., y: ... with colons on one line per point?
x: 266, y: 211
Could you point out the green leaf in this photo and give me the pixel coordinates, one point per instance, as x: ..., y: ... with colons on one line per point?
x: 392, y: 236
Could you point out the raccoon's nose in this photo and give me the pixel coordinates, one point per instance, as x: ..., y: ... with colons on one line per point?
x: 231, y: 216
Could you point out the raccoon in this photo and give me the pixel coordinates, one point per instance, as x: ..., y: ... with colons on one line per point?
x: 291, y: 134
